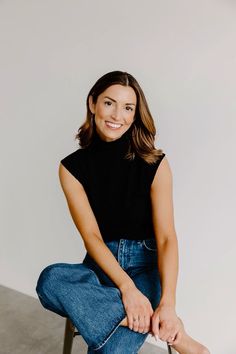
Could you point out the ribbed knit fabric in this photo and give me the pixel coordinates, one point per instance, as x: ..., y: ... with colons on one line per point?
x: 118, y: 189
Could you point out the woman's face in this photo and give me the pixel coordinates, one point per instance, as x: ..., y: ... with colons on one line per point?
x: 114, y: 111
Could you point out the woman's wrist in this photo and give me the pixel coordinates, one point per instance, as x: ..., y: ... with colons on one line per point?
x: 170, y: 302
x: 127, y: 285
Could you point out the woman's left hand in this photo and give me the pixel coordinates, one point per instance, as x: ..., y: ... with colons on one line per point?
x: 165, y: 323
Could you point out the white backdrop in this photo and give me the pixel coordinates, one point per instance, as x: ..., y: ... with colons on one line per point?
x: 183, y: 55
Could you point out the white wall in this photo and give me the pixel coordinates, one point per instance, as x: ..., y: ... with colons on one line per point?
x: 183, y: 54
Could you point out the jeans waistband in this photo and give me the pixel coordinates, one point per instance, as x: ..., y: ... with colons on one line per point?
x: 132, y: 253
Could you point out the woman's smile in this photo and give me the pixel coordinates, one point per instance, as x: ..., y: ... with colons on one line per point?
x: 113, y: 126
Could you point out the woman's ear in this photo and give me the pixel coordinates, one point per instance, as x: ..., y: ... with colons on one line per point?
x: 91, y: 104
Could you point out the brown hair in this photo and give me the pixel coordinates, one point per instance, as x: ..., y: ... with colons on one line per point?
x: 142, y: 131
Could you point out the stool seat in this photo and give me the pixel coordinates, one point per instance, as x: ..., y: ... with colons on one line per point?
x: 71, y: 332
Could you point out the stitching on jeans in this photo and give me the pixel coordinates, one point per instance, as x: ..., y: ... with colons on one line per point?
x: 104, y: 342
x: 95, y: 275
x: 145, y: 245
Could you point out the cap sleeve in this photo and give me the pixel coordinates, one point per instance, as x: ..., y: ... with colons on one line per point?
x: 74, y: 164
x: 154, y: 167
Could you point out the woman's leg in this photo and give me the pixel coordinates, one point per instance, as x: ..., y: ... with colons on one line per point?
x: 74, y: 291
x: 125, y: 340
x: 148, y: 283
x: 122, y: 341
x: 187, y: 345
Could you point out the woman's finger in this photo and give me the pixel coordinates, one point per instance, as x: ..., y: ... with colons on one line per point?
x: 136, y: 323
x: 155, y: 326
x: 146, y: 323
x: 130, y: 321
x: 177, y: 338
x: 133, y: 322
x: 171, y: 338
x: 166, y: 331
x: 141, y: 324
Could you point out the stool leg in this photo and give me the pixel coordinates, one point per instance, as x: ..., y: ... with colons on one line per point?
x: 169, y: 349
x: 68, y: 337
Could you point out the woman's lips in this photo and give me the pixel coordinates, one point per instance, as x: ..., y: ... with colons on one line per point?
x: 113, y: 126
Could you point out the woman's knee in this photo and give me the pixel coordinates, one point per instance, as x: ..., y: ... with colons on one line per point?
x: 48, y: 278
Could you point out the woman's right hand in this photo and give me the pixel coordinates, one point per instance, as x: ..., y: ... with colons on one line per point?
x: 137, y: 306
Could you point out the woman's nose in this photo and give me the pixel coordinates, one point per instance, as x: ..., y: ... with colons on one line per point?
x: 116, y: 114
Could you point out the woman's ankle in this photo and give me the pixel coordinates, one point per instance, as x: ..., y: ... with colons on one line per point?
x: 124, y: 322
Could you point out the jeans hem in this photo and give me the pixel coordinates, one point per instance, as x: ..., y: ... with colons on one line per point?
x: 109, y: 335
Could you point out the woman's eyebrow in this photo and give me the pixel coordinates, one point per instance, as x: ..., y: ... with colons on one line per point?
x: 115, y: 100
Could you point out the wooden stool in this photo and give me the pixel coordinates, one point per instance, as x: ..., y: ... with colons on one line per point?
x: 70, y: 333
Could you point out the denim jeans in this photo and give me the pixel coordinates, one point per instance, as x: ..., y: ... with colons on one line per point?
x: 86, y: 295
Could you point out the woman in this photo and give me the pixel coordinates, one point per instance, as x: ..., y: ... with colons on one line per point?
x: 118, y: 189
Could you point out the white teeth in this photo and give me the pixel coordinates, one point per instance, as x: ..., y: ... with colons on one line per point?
x: 113, y: 125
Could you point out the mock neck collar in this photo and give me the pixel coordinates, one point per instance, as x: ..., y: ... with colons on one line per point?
x: 115, y: 145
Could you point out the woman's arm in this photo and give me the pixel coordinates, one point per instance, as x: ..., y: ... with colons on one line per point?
x: 163, y: 222
x: 85, y: 221
x: 165, y: 322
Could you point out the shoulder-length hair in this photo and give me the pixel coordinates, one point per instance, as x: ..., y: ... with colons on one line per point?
x: 142, y: 131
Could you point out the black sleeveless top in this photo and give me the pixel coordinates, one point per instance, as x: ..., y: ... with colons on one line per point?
x: 118, y: 189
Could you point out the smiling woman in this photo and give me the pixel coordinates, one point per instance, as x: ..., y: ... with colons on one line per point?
x: 118, y: 188
x: 112, y: 111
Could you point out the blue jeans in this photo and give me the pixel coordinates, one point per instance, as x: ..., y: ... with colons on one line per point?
x: 86, y: 295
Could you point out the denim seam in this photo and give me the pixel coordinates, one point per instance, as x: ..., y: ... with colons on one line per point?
x: 145, y: 245
x: 119, y: 259
x: 95, y: 275
x: 105, y: 340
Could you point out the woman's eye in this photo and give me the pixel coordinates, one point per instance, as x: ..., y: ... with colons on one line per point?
x: 110, y: 103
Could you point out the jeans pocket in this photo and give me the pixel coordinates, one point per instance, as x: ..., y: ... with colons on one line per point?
x: 150, y: 244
